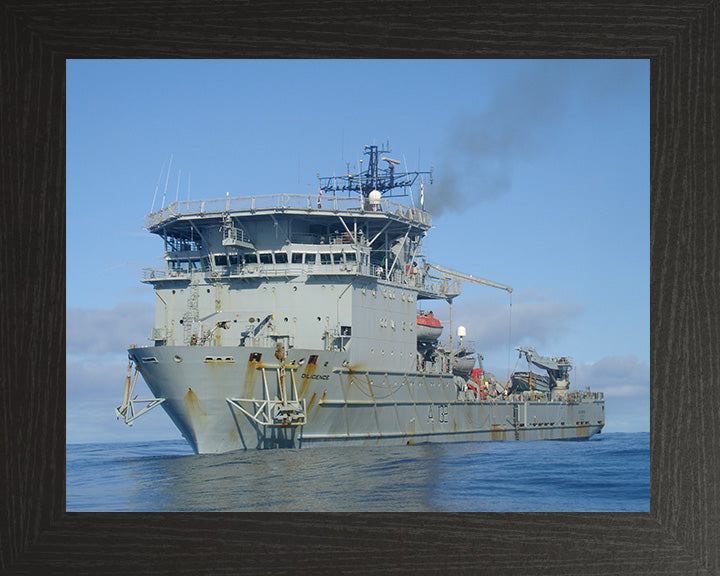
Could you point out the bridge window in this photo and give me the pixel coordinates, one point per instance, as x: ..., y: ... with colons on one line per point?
x: 297, y: 258
x: 310, y: 258
x: 266, y: 258
x: 350, y: 257
x: 251, y: 259
x: 281, y: 257
x: 220, y: 260
x: 337, y: 258
x: 325, y: 258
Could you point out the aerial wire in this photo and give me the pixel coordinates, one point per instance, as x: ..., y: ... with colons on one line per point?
x: 157, y: 186
x: 407, y: 176
x: 166, y: 182
x: 509, y: 334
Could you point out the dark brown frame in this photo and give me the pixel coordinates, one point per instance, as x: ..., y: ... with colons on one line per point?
x: 681, y: 534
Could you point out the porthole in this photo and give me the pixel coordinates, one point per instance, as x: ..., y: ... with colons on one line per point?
x: 208, y: 290
x: 177, y: 358
x: 285, y: 319
x: 181, y: 321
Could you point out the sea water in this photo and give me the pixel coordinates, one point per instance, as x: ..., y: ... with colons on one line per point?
x: 608, y: 473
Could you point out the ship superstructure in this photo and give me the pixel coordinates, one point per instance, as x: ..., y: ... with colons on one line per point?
x: 288, y: 320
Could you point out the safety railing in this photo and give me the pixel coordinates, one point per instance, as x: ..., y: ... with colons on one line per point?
x: 283, y: 202
x: 398, y: 276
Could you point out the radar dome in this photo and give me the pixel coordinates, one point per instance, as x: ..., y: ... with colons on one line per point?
x: 374, y: 197
x: 461, y: 332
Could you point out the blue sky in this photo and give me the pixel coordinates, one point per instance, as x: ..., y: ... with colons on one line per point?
x: 541, y: 181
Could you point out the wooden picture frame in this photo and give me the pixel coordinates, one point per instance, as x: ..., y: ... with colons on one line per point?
x: 680, y: 535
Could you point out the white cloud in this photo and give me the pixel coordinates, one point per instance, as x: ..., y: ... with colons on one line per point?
x: 96, y: 368
x: 625, y: 381
x: 108, y: 330
x: 620, y: 375
x: 535, y: 320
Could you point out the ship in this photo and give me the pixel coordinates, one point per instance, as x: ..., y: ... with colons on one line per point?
x: 290, y: 321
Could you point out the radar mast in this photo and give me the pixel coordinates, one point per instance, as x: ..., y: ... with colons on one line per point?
x: 382, y: 178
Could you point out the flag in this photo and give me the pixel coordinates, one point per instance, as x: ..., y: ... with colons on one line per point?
x: 422, y: 194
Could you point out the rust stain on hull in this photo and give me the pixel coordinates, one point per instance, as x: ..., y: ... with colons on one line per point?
x: 250, y: 377
x: 497, y: 433
x: 305, y: 378
x: 198, y: 414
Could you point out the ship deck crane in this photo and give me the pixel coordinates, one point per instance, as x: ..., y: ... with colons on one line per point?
x: 557, y: 368
x: 467, y: 277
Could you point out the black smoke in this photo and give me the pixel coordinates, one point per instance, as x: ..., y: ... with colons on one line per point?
x: 525, y: 112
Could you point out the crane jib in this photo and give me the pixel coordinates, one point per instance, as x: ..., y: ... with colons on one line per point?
x: 468, y: 278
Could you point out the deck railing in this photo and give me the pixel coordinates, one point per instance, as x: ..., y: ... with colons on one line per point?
x: 310, y: 203
x: 398, y: 277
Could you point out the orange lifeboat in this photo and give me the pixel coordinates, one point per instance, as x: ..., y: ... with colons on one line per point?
x: 429, y: 328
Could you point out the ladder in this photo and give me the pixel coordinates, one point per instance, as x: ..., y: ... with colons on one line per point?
x: 288, y: 410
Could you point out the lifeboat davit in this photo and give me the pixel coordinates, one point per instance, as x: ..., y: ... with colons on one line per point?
x: 429, y: 328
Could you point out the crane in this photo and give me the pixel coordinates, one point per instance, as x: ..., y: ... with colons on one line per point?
x: 467, y: 277
x: 557, y: 368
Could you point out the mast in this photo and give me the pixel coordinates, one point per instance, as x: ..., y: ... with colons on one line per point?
x: 375, y: 177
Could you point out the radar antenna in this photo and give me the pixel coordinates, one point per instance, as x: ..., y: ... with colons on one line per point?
x: 375, y: 177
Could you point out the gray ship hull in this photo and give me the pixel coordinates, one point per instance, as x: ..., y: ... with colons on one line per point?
x: 239, y: 398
